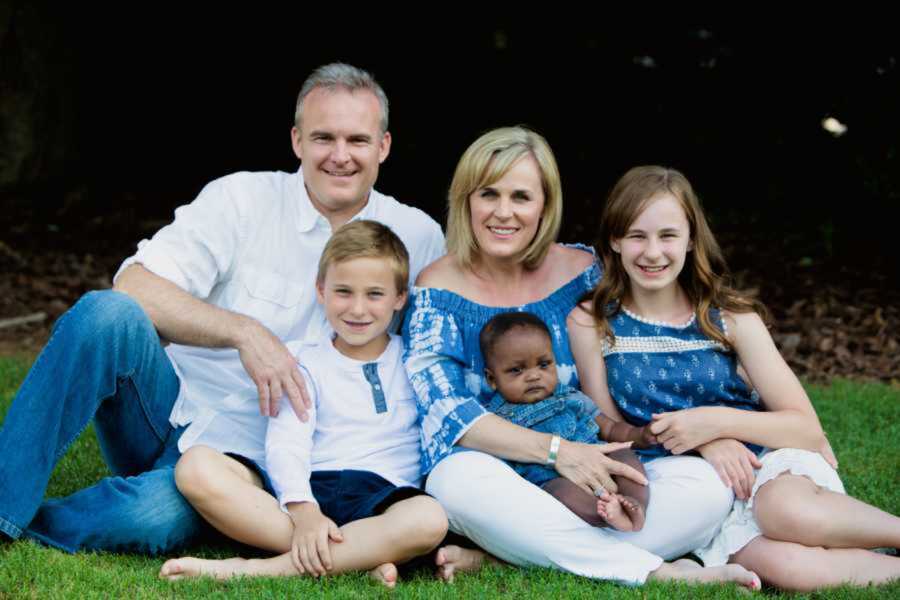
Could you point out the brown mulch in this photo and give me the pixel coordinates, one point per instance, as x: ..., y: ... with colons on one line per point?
x: 829, y: 320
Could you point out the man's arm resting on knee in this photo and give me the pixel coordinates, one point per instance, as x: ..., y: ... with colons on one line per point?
x: 184, y: 319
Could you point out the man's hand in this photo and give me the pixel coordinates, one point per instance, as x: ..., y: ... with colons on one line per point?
x: 273, y: 369
x: 734, y: 463
x: 684, y: 430
x: 588, y: 466
x: 310, y: 552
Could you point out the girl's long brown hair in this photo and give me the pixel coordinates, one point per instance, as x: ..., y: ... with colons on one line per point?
x: 705, y: 276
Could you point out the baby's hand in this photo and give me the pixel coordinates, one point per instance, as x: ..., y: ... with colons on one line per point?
x: 647, y: 438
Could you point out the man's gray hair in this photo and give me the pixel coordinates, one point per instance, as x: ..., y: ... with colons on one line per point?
x: 342, y: 76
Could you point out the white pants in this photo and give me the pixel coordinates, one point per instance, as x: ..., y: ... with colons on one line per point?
x: 520, y: 523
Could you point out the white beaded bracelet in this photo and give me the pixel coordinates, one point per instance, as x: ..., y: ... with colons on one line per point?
x: 554, y: 450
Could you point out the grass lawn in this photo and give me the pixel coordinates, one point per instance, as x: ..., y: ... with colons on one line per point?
x: 862, y: 420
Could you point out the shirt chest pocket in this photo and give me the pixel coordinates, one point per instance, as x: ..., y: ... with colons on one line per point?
x: 547, y: 416
x: 270, y: 298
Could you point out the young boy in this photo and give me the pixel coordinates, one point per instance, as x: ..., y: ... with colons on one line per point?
x: 347, y: 480
x: 520, y: 366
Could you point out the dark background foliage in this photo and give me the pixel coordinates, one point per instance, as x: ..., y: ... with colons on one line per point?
x: 112, y: 117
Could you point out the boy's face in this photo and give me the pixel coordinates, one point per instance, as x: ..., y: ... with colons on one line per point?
x: 359, y: 297
x: 521, y: 366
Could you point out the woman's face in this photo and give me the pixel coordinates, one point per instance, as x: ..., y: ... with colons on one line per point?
x: 506, y: 214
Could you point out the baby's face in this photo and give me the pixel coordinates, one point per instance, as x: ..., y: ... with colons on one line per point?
x: 521, y: 366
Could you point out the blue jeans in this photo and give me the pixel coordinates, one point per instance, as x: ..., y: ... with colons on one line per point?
x: 104, y: 361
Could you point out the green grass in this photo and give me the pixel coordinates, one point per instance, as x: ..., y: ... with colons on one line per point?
x: 863, y: 422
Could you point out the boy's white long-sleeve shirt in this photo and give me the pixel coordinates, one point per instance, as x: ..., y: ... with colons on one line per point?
x: 363, y: 417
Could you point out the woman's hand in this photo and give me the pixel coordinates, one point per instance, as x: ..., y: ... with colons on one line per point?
x: 589, y: 467
x: 734, y: 463
x: 684, y: 430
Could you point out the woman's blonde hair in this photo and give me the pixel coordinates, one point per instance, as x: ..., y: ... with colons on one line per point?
x: 485, y: 162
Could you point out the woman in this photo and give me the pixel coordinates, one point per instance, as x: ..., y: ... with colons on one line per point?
x: 505, y: 208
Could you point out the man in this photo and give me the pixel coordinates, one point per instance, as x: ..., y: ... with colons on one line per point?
x: 229, y: 280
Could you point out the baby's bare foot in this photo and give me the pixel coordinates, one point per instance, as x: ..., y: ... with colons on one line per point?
x: 455, y: 559
x: 611, y: 509
x: 385, y: 574
x: 634, y: 510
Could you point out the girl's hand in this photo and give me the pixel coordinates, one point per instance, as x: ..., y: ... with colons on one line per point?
x: 828, y: 454
x: 310, y: 552
x: 734, y: 463
x: 684, y: 430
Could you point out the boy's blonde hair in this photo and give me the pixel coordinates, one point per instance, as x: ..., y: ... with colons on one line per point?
x: 366, y: 239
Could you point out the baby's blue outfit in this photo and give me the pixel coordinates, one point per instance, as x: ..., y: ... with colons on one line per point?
x: 444, y: 362
x: 655, y: 367
x: 569, y: 415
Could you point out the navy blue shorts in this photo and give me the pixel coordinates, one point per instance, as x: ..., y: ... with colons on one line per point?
x: 346, y: 495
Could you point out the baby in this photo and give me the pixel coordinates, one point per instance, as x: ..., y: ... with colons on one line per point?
x: 520, y: 366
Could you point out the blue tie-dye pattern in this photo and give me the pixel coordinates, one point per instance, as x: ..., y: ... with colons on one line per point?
x: 444, y: 361
x: 675, y: 371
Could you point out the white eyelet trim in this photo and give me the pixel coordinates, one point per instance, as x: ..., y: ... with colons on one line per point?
x: 685, y: 325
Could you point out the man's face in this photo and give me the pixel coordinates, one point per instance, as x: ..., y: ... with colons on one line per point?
x: 340, y: 146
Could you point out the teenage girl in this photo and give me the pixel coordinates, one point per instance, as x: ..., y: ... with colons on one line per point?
x: 664, y: 342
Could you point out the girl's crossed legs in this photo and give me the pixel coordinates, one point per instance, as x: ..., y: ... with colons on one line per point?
x: 813, y: 537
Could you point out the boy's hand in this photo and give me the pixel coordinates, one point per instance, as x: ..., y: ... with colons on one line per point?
x: 310, y: 552
x: 734, y: 463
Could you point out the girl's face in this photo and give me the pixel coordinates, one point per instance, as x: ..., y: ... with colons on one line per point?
x: 655, y: 246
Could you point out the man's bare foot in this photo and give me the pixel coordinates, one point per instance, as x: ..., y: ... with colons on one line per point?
x: 188, y: 567
x: 687, y: 570
x: 385, y: 574
x: 454, y: 559
x: 620, y: 512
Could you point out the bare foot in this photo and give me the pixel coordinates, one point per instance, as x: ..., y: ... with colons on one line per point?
x: 453, y: 559
x: 189, y: 567
x: 385, y: 574
x: 620, y: 512
x: 635, y: 512
x: 687, y: 570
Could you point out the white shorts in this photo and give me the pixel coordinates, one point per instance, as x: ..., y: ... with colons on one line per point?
x: 740, y: 527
